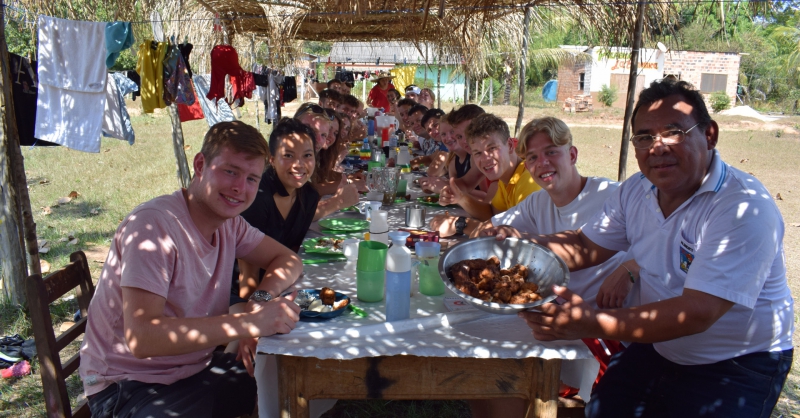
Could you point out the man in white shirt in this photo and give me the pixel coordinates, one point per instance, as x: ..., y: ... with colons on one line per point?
x: 570, y: 201
x: 567, y: 201
x: 713, y: 336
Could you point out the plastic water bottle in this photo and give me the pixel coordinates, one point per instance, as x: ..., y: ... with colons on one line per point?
x: 392, y: 137
x: 398, y: 278
x: 371, y: 127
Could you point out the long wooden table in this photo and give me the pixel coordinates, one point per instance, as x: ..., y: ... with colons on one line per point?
x: 409, y: 377
x: 434, y: 355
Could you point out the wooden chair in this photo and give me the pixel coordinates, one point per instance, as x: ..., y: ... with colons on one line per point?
x: 41, y: 293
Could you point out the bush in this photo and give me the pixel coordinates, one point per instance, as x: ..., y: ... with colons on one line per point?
x: 607, y: 95
x: 719, y: 101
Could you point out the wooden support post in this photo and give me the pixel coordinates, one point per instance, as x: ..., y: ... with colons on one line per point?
x: 491, y: 91
x: 17, y: 227
x: 184, y: 175
x: 439, y: 83
x: 626, y: 127
x: 253, y: 59
x: 466, y: 88
x: 523, y: 62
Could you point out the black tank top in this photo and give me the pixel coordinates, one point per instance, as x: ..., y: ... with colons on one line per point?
x: 462, y: 168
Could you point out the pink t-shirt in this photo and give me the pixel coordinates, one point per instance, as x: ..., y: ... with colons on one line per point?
x: 159, y: 249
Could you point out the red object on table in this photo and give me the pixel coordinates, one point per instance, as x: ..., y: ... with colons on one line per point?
x: 419, y: 235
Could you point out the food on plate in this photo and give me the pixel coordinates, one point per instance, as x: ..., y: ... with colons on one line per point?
x: 322, y: 301
x: 485, y: 280
x: 327, y: 296
x: 431, y: 199
x: 329, y: 243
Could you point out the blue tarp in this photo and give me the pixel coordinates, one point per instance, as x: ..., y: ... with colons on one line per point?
x: 550, y: 91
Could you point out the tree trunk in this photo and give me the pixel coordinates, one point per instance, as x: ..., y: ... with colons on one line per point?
x: 523, y: 61
x: 184, y: 175
x: 16, y: 216
x: 507, y: 80
x: 626, y: 127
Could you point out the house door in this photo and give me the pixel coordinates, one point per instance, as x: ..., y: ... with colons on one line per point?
x: 620, y: 82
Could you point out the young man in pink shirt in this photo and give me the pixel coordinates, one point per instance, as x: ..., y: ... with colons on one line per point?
x: 161, y: 305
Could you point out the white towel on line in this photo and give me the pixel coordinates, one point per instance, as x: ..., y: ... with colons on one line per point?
x: 72, y: 82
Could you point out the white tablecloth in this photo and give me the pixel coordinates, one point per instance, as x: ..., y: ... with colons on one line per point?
x: 432, y: 331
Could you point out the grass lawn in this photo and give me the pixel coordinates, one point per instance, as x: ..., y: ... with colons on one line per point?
x: 120, y: 177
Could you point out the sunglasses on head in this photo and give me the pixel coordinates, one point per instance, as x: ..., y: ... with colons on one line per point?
x: 314, y: 108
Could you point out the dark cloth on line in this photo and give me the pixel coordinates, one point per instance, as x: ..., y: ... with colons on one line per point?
x: 261, y: 80
x: 264, y: 215
x: 186, y: 49
x: 24, y: 94
x: 133, y: 75
x: 289, y: 89
x: 221, y: 390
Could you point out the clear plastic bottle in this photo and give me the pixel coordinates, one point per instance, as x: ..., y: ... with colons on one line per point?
x: 392, y: 137
x: 398, y: 278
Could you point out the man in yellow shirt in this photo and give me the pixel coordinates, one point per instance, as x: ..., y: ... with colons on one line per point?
x: 494, y: 155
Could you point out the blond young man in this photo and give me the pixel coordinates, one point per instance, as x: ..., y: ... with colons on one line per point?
x: 161, y: 305
x: 493, y: 153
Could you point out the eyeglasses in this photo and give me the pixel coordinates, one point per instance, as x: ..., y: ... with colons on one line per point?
x: 313, y: 108
x: 670, y: 137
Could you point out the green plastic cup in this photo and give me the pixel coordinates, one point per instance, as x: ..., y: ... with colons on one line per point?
x: 370, y: 285
x: 372, y: 256
x: 373, y: 164
x: 430, y: 282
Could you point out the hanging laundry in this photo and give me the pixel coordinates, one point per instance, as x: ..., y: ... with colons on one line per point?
x: 272, y: 101
x: 193, y: 111
x: 119, y: 37
x: 186, y: 49
x: 72, y: 83
x: 177, y: 88
x: 215, y: 110
x: 134, y: 76
x: 261, y: 80
x: 150, y: 68
x: 225, y: 61
x: 289, y: 89
x: 116, y: 120
x: 403, y: 76
x: 168, y: 69
x: 24, y: 94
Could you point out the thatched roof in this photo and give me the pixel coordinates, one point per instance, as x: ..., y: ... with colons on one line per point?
x: 463, y: 28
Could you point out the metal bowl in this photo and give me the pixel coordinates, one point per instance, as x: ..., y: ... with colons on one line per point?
x: 545, y: 268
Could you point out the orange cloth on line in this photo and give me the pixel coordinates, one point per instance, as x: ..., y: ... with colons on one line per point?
x: 150, y: 67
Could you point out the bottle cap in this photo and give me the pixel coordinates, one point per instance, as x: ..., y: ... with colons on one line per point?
x: 399, y: 237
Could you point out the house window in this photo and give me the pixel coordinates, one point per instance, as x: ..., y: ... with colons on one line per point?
x: 710, y: 83
x: 581, y: 82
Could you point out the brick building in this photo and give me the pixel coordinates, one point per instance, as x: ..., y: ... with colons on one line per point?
x: 708, y: 71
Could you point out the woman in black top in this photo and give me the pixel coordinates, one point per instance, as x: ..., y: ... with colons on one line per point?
x: 286, y: 202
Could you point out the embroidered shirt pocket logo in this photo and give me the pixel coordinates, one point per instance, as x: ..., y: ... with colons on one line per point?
x: 686, y: 256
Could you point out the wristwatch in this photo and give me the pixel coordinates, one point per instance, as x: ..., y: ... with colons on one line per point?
x: 461, y: 223
x: 261, y: 296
